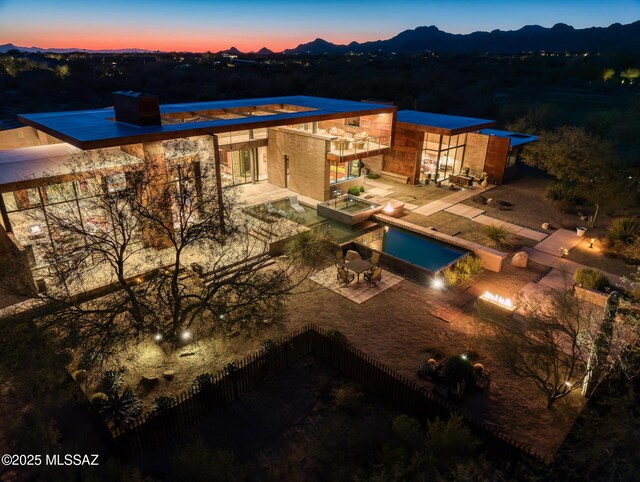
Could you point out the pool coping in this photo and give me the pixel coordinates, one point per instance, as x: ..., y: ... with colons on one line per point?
x: 492, y: 259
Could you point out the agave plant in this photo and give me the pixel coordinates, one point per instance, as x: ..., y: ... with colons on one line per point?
x: 624, y: 229
x: 121, y: 409
x: 110, y: 381
x: 161, y: 404
x: 202, y: 380
x: 498, y: 236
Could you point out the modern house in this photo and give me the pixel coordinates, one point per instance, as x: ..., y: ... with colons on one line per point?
x: 312, y: 146
x: 439, y: 147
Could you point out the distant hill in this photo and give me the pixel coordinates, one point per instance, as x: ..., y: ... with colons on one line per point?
x: 6, y: 47
x: 559, y: 38
x: 531, y: 38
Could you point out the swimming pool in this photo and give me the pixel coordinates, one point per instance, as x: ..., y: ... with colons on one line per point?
x: 419, y: 250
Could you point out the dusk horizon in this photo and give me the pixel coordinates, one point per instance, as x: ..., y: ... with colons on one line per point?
x: 200, y: 26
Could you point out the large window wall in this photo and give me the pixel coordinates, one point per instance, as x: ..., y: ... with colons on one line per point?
x: 243, y: 166
x: 343, y: 171
x: 442, y: 156
x: 32, y: 212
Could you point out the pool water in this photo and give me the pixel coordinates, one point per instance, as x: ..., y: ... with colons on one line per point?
x: 418, y: 250
x: 340, y: 232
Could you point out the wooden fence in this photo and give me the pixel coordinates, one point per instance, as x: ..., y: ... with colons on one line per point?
x: 194, y: 406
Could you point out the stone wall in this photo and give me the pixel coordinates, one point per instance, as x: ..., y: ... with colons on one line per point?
x: 308, y: 165
x: 475, y: 152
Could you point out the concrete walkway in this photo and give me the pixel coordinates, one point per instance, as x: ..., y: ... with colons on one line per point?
x: 561, y: 239
x: 569, y: 267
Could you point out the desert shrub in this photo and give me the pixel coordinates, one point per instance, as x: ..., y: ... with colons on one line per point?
x: 202, y: 380
x: 121, y: 409
x: 591, y: 279
x: 161, y: 404
x: 451, y: 442
x: 426, y: 368
x: 457, y: 369
x: 348, y: 397
x: 463, y: 270
x: 560, y: 192
x: 624, y: 229
x: 338, y: 336
x: 479, y: 199
x: 354, y: 190
x: 110, y: 380
x: 309, y: 247
x: 373, y: 175
x: 361, y: 188
x: 498, y: 236
x: 268, y: 345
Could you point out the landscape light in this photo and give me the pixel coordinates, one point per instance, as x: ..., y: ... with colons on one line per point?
x: 437, y: 283
x: 186, y: 334
x: 567, y: 384
x: 463, y: 356
x: 157, y: 337
x: 591, y: 241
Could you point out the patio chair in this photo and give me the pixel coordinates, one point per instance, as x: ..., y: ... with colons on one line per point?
x: 270, y: 209
x: 351, y: 255
x: 340, y: 257
x: 293, y: 202
x: 374, y: 276
x: 344, y: 277
x: 375, y: 259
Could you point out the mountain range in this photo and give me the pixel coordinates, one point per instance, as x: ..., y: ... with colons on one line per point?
x: 531, y: 38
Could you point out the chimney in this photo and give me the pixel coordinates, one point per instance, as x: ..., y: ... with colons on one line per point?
x: 137, y: 108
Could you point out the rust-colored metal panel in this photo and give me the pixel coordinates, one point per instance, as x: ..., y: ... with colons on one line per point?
x: 495, y: 164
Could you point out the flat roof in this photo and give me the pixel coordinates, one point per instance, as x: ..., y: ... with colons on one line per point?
x: 92, y: 129
x: 515, y: 138
x: 442, y: 123
x: 52, y: 160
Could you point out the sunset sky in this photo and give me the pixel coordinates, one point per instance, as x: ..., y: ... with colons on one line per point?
x: 201, y: 25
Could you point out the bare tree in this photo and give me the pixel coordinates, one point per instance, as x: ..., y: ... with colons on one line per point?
x: 548, y: 344
x: 144, y: 254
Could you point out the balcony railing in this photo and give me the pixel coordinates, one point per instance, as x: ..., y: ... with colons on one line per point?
x: 348, y: 146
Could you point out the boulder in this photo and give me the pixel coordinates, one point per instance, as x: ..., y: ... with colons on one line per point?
x: 149, y: 380
x: 168, y: 374
x: 545, y: 226
x: 520, y: 259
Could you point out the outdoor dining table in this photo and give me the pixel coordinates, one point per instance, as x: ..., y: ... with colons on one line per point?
x: 358, y: 266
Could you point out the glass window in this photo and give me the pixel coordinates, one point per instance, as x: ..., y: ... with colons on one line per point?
x: 9, y: 201
x: 57, y: 193
x: 116, y: 182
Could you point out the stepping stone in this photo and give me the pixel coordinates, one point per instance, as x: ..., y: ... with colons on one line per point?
x: 168, y: 374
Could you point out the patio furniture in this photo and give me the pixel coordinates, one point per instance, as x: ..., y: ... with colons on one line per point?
x: 375, y: 259
x: 341, y: 144
x: 340, y: 257
x: 374, y: 276
x: 272, y: 210
x: 293, y: 201
x: 461, y: 180
x: 351, y: 255
x: 343, y: 276
x: 358, y: 266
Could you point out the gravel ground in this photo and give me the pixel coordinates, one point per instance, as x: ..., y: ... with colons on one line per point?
x: 396, y: 327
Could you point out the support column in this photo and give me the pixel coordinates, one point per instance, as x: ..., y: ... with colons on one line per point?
x: 156, y: 193
x: 216, y: 159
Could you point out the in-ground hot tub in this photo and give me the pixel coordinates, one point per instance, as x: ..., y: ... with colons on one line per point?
x: 348, y: 209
